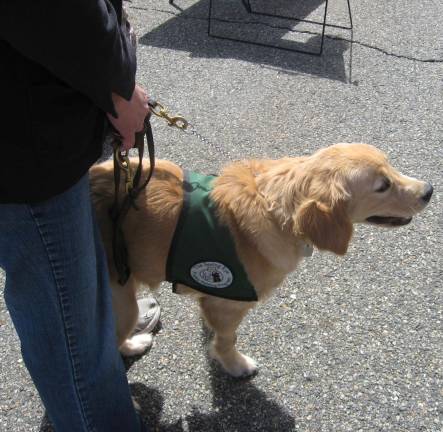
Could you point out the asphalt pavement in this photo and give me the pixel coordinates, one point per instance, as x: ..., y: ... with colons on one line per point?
x: 346, y: 344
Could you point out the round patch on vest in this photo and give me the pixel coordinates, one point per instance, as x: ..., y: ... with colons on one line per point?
x: 212, y: 274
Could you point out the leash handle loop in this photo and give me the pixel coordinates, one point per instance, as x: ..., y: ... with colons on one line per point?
x: 119, y: 210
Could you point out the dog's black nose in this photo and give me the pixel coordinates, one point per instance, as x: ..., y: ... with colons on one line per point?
x: 428, y: 193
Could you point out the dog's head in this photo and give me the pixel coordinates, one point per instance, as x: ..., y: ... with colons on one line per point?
x: 351, y: 183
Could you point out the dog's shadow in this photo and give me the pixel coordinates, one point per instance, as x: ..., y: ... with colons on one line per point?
x: 237, y: 405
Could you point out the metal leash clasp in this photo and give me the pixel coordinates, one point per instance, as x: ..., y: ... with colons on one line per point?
x: 124, y: 164
x: 181, y: 123
x: 177, y: 121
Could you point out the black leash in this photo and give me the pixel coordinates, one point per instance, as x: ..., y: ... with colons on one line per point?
x: 118, y: 211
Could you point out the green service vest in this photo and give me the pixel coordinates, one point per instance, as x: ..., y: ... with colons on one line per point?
x: 202, y: 254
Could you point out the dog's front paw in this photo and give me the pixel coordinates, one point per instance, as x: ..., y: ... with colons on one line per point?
x: 236, y: 364
x: 136, y: 345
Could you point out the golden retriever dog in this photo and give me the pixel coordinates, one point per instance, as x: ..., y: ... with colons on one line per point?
x: 275, y: 210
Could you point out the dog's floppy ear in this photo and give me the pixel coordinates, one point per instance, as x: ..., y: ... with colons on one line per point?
x: 328, y: 228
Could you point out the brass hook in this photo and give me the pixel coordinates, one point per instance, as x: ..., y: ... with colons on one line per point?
x: 124, y: 164
x: 178, y: 121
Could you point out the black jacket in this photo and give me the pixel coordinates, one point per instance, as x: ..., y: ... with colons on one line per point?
x: 60, y: 60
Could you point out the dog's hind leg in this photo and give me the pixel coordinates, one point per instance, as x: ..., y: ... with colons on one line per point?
x: 124, y: 302
x: 224, y: 317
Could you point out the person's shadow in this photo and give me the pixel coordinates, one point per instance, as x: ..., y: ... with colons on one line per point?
x: 238, y: 406
x: 187, y: 31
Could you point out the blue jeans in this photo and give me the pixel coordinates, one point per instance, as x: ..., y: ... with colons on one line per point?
x: 58, y: 295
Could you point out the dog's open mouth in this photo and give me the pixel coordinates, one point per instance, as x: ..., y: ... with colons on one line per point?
x: 392, y: 221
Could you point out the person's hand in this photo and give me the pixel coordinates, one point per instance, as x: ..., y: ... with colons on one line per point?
x: 131, y: 115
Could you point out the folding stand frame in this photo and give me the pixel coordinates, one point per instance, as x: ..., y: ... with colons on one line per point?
x: 247, y: 5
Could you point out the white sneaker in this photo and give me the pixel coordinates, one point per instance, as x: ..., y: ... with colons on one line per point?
x: 148, y: 315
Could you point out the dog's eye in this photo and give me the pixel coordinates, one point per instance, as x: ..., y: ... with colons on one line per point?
x: 385, y: 185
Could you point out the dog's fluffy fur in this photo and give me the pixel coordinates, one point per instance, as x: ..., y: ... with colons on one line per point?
x: 272, y: 208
